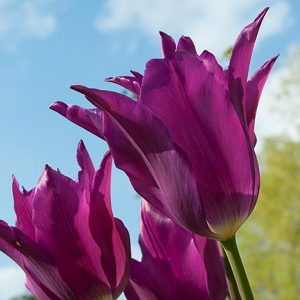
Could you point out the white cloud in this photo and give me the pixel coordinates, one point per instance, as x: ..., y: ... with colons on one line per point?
x: 23, y: 20
x: 278, y: 111
x: 12, y: 281
x: 212, y: 25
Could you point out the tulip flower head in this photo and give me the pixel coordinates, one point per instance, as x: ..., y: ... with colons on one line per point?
x: 187, y: 142
x: 66, y: 239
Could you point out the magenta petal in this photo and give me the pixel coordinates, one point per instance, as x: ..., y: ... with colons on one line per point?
x: 38, y: 289
x: 8, y: 244
x: 148, y: 162
x: 87, y: 172
x: 138, y: 291
x: 89, y: 119
x: 172, y: 267
x: 168, y: 45
x: 186, y: 44
x: 153, y: 281
x: 254, y: 88
x: 105, y: 231
x: 23, y: 208
x: 128, y: 82
x: 66, y: 233
x: 213, y: 66
x: 210, y: 133
x: 240, y: 61
x: 122, y: 279
x: 209, y: 250
x: 138, y: 77
x: 33, y: 259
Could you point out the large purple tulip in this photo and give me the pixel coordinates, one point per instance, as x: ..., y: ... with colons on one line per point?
x: 187, y: 143
x: 174, y: 265
x: 66, y: 239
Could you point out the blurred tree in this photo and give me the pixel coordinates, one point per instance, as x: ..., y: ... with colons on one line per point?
x: 270, y: 240
x: 24, y: 297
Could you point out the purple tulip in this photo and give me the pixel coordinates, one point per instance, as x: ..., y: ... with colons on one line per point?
x: 187, y: 143
x: 174, y: 265
x: 66, y: 239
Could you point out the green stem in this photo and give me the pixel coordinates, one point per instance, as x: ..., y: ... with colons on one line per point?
x: 231, y: 282
x: 238, y: 269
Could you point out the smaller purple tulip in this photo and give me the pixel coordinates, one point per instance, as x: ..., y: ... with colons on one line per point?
x: 66, y: 239
x: 175, y: 265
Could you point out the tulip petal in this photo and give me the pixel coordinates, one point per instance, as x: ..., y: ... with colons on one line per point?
x: 38, y: 289
x: 215, y: 275
x: 128, y: 82
x: 103, y: 227
x: 153, y: 278
x: 87, y: 172
x: 183, y: 87
x: 136, y: 291
x: 61, y: 223
x: 254, y: 88
x: 148, y: 161
x: 33, y: 259
x: 186, y: 44
x: 172, y: 267
x: 124, y: 235
x: 138, y: 77
x: 89, y: 119
x: 213, y: 66
x: 23, y: 208
x: 240, y: 61
x: 168, y: 45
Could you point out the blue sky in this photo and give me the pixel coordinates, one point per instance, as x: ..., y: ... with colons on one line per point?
x: 47, y: 45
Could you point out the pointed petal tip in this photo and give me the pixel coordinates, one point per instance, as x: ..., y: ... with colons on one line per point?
x: 81, y: 149
x: 261, y: 15
x: 168, y: 45
x: 273, y: 59
x: 78, y: 88
x: 109, y: 79
x: 15, y: 183
x: 184, y: 37
x: 44, y: 177
x: 265, y: 10
x: 270, y: 62
x: 185, y: 43
x: 81, y: 145
x: 48, y: 172
x: 47, y: 169
x: 135, y: 73
x: 59, y: 107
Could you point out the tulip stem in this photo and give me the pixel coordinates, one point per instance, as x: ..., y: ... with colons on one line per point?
x: 238, y: 269
x: 233, y: 289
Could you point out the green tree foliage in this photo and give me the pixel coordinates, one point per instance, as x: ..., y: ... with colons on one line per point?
x: 270, y: 240
x: 24, y: 297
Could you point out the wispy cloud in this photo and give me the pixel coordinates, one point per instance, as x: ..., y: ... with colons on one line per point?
x: 12, y: 281
x: 25, y: 20
x: 205, y: 21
